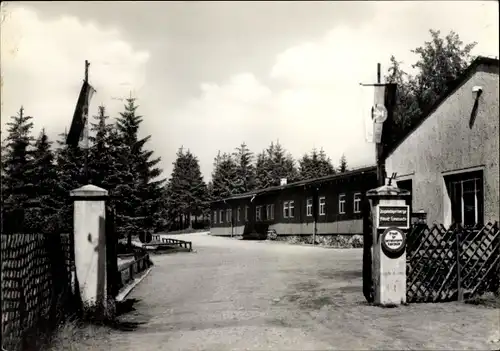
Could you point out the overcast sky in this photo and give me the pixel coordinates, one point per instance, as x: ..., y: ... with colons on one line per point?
x: 210, y: 75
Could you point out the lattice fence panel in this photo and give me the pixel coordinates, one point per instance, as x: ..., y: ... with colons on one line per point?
x: 31, y: 282
x: 480, y: 260
x: 441, y: 262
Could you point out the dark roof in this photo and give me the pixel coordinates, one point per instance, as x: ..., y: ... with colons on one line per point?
x: 307, y: 182
x: 457, y: 83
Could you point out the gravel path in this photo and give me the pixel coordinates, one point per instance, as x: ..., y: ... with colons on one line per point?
x: 240, y: 295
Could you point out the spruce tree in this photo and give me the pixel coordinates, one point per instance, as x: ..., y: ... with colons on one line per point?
x: 45, y: 183
x: 280, y: 164
x: 70, y: 175
x: 263, y: 175
x: 224, y: 177
x: 186, y: 190
x: 343, y: 164
x: 325, y: 164
x: 145, y: 200
x: 315, y: 165
x: 102, y: 161
x: 17, y: 167
x: 245, y: 170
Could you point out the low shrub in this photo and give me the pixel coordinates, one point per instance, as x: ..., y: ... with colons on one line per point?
x: 337, y: 241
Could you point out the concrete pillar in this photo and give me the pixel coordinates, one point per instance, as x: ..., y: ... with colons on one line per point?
x: 90, y: 244
x: 391, y: 220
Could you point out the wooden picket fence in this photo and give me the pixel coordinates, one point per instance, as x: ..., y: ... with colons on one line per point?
x: 456, y: 263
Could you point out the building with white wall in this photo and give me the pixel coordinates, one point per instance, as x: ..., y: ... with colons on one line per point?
x: 450, y: 160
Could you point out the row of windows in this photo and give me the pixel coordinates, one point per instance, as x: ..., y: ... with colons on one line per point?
x: 288, y: 209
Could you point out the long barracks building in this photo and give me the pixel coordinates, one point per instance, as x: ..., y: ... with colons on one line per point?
x: 335, y: 202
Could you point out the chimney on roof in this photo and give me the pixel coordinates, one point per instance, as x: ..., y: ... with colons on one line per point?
x: 283, y: 181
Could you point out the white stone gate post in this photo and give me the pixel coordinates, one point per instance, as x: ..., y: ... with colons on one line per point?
x: 90, y: 244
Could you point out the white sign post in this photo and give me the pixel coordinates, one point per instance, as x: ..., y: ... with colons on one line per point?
x: 390, y: 216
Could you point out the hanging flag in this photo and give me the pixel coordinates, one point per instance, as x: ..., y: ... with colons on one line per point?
x: 367, y: 92
x: 380, y: 115
x: 77, y: 131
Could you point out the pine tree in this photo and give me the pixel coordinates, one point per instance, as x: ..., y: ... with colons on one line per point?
x: 186, y: 190
x: 315, y: 165
x: 142, y: 205
x: 224, y: 177
x: 45, y: 183
x: 102, y: 161
x: 305, y: 167
x: 245, y: 171
x: 280, y: 164
x: 343, y: 164
x: 263, y: 175
x: 17, y: 163
x: 325, y: 164
x: 70, y: 175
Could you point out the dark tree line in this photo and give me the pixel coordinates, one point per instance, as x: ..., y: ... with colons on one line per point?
x: 187, y: 196
x: 241, y: 171
x: 37, y: 178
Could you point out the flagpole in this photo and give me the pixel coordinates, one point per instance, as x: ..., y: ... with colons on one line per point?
x: 378, y: 146
x: 86, y: 131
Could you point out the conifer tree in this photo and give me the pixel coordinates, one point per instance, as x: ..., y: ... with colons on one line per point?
x: 325, y: 164
x: 263, y: 175
x: 186, y: 190
x: 145, y: 199
x: 45, y: 183
x: 245, y: 170
x: 224, y: 177
x: 102, y: 163
x: 17, y: 168
x: 70, y: 175
x: 280, y: 164
x: 343, y: 164
x: 315, y: 165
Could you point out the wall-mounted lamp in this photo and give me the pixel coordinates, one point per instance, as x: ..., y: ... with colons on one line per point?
x: 476, y: 93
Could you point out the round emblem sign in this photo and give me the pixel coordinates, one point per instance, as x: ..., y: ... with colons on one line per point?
x: 379, y: 113
x: 393, y: 240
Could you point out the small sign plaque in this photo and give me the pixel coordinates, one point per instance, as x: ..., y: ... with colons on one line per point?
x: 393, y: 240
x: 393, y: 216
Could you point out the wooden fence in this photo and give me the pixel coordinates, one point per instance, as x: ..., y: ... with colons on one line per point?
x: 130, y: 270
x: 452, y: 264
x: 170, y: 241
x: 36, y: 286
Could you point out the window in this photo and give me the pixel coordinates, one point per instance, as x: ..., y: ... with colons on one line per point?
x: 221, y: 216
x: 228, y: 216
x: 285, y: 209
x: 258, y: 213
x: 357, y: 202
x: 342, y: 203
x: 215, y: 217
x: 246, y: 213
x: 466, y: 195
x: 322, y: 206
x: 309, y: 207
x: 238, y: 213
x: 291, y: 208
x: 270, y: 211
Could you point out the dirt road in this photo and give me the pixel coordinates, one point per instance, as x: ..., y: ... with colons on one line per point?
x: 240, y: 295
